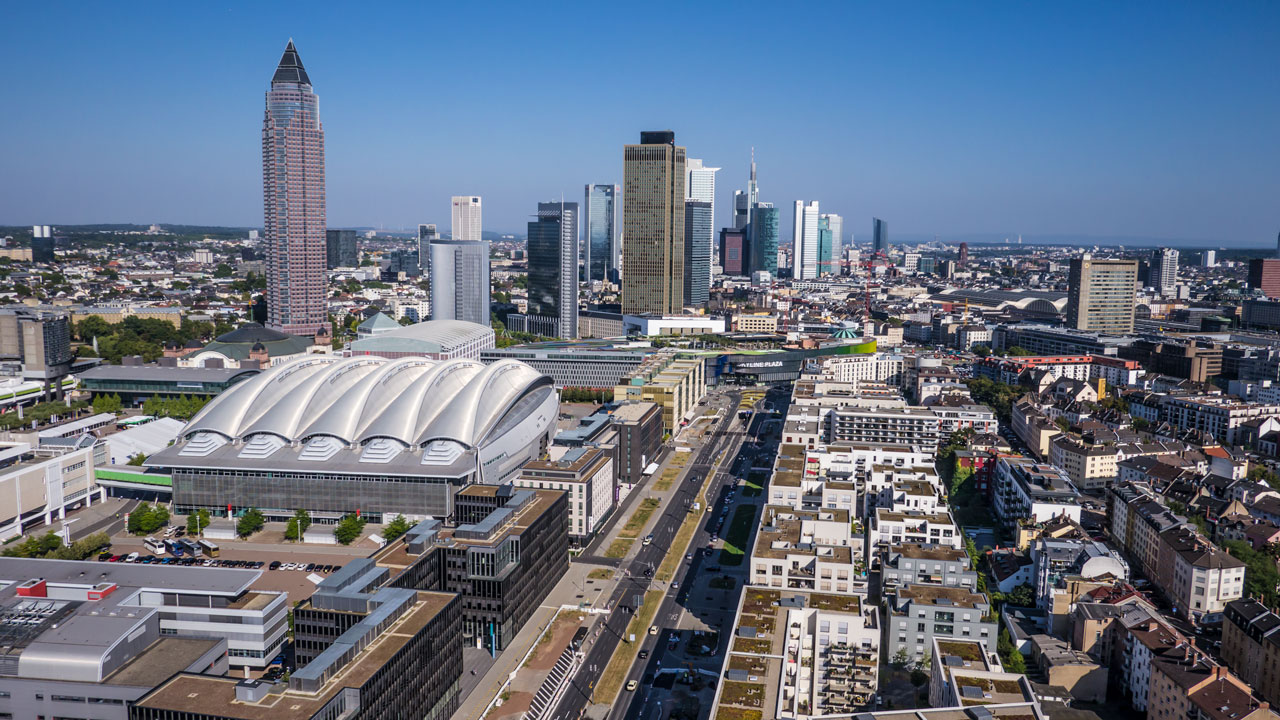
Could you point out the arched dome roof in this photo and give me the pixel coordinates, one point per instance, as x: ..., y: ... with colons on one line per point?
x: 410, y: 400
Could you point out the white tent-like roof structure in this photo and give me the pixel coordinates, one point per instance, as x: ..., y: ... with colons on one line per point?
x: 410, y: 400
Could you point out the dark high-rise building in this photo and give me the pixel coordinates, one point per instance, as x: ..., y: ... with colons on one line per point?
x: 400, y: 265
x: 1102, y: 294
x: 341, y: 249
x: 697, y: 252
x: 963, y: 258
x: 763, y: 240
x: 42, y: 244
x: 733, y: 252
x: 653, y: 225
x: 294, y: 200
x: 553, y: 270
x: 1264, y: 275
x: 879, y: 236
x: 603, y: 243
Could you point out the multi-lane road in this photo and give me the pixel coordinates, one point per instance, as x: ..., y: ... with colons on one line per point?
x: 727, y: 438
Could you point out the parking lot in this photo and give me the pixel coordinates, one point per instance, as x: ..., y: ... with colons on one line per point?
x: 262, y: 552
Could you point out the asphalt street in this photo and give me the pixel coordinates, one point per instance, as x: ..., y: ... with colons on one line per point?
x: 635, y: 584
x: 728, y: 438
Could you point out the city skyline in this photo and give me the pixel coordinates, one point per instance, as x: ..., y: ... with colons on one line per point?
x: 1021, y: 140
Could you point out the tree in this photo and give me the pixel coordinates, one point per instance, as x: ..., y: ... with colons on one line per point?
x: 1063, y: 424
x: 147, y: 518
x: 291, y: 530
x: 961, y: 476
x: 1022, y: 596
x: 1015, y: 663
x: 250, y: 522
x: 137, y: 460
x: 304, y: 521
x: 197, y: 522
x: 348, y: 529
x: 103, y: 403
x: 981, y: 350
x: 223, y: 270
x: 1260, y: 575
x: 395, y: 528
x: 1017, y: 351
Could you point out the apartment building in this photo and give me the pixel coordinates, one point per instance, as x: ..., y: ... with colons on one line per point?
x: 1029, y: 491
x: 1221, y: 416
x: 919, y: 613
x: 891, y: 527
x: 1193, y: 686
x: 807, y: 550
x: 1087, y: 465
x: 884, y: 368
x: 950, y: 657
x: 1033, y: 427
x: 1205, y: 578
x: 915, y: 564
x: 1251, y: 646
x: 1135, y: 523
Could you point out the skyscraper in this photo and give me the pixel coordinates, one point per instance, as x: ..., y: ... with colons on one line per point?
x: 1264, y: 275
x: 733, y: 251
x: 804, y: 240
x: 604, y: 232
x: 1101, y: 294
x: 466, y: 218
x: 697, y: 252
x: 824, y: 245
x: 460, y: 285
x: 293, y: 200
x: 879, y: 237
x: 1164, y: 270
x: 836, y: 224
x: 553, y: 270
x: 653, y: 225
x: 427, y: 234
x: 764, y: 239
x: 963, y: 258
x: 340, y: 249
x: 744, y: 202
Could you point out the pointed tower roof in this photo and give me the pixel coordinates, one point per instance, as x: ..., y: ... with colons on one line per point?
x: 290, y: 69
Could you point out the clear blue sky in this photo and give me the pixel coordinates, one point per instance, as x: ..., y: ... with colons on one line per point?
x: 1143, y: 119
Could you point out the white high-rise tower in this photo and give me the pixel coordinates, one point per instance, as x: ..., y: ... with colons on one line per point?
x: 466, y: 218
x: 804, y: 240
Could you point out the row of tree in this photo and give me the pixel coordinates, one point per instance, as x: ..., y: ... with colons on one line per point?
x: 182, y: 407
x: 41, y: 413
x: 49, y: 546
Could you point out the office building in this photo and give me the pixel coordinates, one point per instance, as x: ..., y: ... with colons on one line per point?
x: 879, y: 237
x: 571, y: 366
x: 1208, y: 258
x: 1164, y: 271
x: 674, y: 384
x: 824, y: 246
x: 585, y: 475
x: 653, y: 225
x: 433, y: 339
x: 697, y: 252
x: 293, y: 189
x: 553, y: 271
x: 385, y: 437
x: 40, y: 342
x: 733, y: 251
x: 42, y: 244
x: 400, y: 265
x: 804, y: 240
x: 1264, y: 275
x: 835, y: 246
x: 744, y: 203
x: 363, y: 649
x: 340, y: 249
x: 40, y: 484
x: 1101, y: 294
x: 962, y: 258
x: 466, y: 218
x: 603, y: 238
x: 763, y: 239
x: 701, y: 183
x: 460, y: 285
x: 427, y: 234
x: 508, y: 549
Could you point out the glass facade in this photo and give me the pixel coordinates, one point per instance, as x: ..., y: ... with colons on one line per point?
x: 553, y: 267
x: 602, y: 248
x: 764, y: 239
x: 697, y: 252
x: 879, y: 236
x: 824, y: 245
